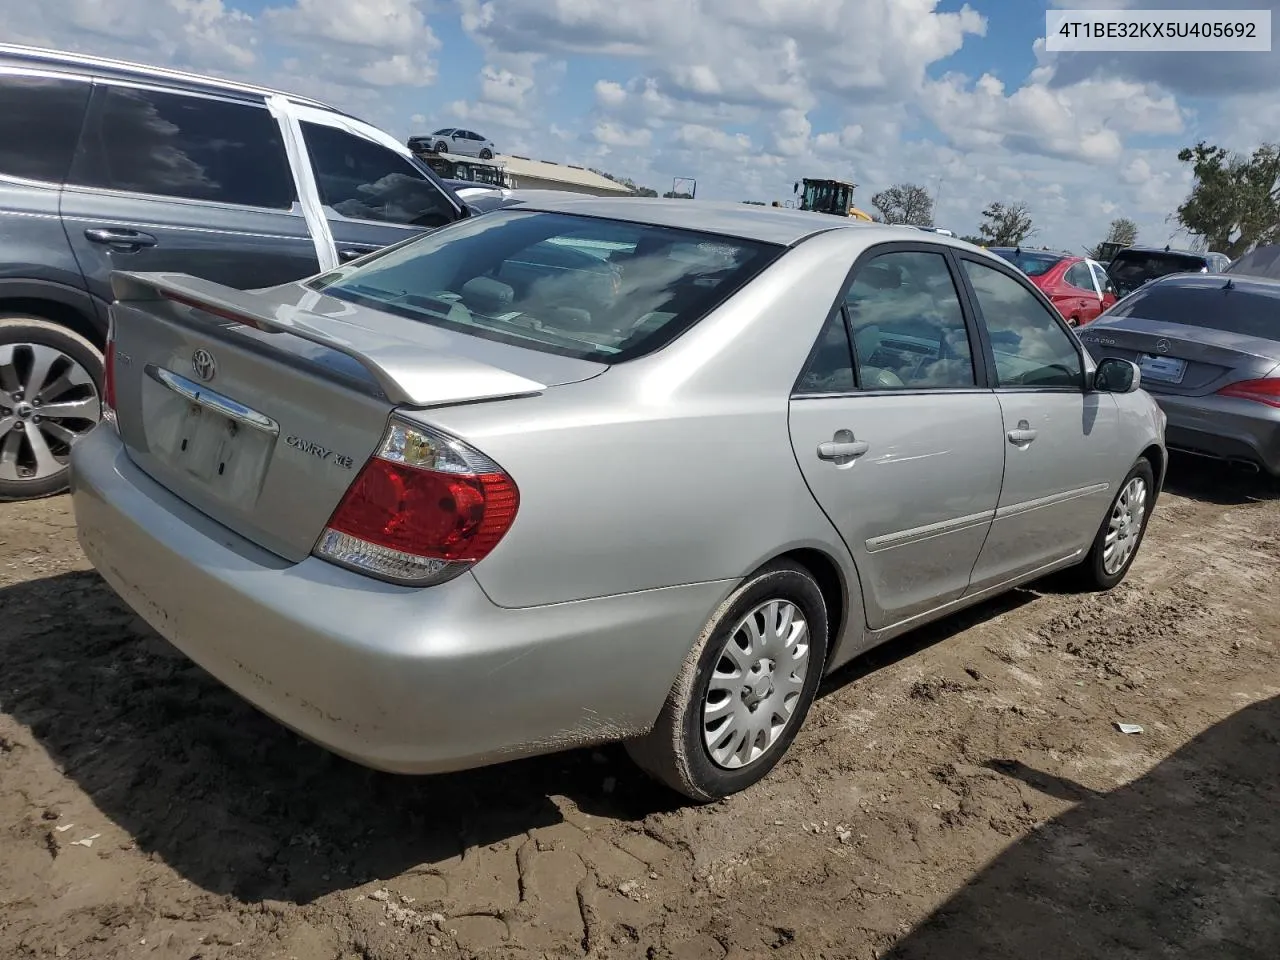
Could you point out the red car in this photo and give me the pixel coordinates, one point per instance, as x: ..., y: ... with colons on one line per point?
x: 1077, y: 286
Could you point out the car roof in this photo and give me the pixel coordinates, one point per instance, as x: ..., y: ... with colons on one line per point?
x: 108, y: 68
x: 776, y: 225
x: 1262, y: 286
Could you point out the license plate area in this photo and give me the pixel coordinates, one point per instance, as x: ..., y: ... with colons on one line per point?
x: 205, y: 437
x: 1162, y: 369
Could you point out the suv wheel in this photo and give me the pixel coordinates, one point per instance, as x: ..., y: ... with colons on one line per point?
x: 50, y: 396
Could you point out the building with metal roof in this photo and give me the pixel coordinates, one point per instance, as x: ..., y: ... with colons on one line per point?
x: 529, y: 174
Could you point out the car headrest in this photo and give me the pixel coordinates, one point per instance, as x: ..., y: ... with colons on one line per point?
x: 487, y: 295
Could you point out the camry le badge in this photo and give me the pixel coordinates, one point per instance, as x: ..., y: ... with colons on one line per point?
x: 203, y: 365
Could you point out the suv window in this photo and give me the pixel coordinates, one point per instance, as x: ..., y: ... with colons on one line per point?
x: 362, y: 180
x: 1031, y: 348
x: 40, y: 120
x: 1078, y: 275
x: 1130, y: 269
x: 178, y: 145
x: 585, y: 287
x: 908, y: 327
x: 830, y: 366
x: 1104, y: 281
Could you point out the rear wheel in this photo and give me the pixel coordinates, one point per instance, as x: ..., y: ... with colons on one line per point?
x: 744, y: 689
x: 486, y: 154
x: 1117, y: 541
x: 50, y: 396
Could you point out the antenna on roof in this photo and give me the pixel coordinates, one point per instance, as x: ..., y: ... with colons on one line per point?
x: 1229, y: 285
x: 1166, y: 248
x: 1017, y: 250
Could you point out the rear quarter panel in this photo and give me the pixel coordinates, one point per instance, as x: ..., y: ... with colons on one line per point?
x: 672, y: 469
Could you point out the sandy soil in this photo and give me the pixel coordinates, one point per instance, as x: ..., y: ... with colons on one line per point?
x: 962, y: 793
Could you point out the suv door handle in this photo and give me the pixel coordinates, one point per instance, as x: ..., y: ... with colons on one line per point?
x: 120, y: 237
x: 842, y: 448
x: 347, y: 254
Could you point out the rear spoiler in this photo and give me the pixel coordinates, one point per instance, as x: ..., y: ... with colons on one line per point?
x: 394, y: 350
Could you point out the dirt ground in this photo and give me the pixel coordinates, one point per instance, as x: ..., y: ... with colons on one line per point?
x: 961, y: 793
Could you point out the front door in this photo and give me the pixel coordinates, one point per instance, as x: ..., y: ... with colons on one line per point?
x: 899, y: 443
x: 184, y: 182
x: 372, y: 195
x: 1059, y: 439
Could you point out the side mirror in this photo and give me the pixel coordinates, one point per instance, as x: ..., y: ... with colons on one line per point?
x: 1116, y: 376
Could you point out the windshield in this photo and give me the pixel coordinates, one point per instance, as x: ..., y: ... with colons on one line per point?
x: 1132, y: 268
x: 583, y: 287
x: 1208, y: 303
x: 1262, y: 262
x: 1029, y: 262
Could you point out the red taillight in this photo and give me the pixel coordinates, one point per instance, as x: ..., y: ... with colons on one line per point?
x: 231, y: 315
x: 109, y: 377
x: 1266, y: 390
x: 424, y: 508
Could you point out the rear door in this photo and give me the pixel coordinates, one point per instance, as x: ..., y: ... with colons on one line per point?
x: 896, y: 434
x: 185, y: 182
x: 1060, y: 441
x: 372, y: 190
x: 1082, y: 301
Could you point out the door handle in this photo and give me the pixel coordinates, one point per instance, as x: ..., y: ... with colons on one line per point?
x: 347, y: 254
x: 842, y: 448
x: 120, y: 237
x: 1022, y: 435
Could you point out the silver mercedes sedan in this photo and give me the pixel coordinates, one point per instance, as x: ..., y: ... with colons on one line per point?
x: 585, y: 470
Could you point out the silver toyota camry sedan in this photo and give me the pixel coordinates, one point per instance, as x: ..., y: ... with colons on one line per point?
x: 585, y: 470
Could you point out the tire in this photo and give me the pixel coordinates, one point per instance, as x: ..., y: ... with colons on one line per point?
x: 72, y: 375
x: 442, y: 147
x: 676, y: 753
x: 1092, y: 574
x: 486, y: 154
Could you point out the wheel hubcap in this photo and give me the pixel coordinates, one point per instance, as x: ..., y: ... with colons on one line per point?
x: 1124, y: 526
x: 47, y: 401
x: 756, y: 684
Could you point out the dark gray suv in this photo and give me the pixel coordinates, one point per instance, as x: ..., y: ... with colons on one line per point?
x: 108, y: 165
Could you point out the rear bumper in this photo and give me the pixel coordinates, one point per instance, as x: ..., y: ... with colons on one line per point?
x: 400, y: 679
x: 1224, y: 428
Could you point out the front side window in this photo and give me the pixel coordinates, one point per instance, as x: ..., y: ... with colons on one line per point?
x: 362, y: 180
x: 1031, y: 348
x: 908, y: 326
x: 40, y: 120
x: 177, y: 145
x: 586, y: 287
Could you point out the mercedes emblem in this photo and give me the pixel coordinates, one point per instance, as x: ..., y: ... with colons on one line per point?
x: 1162, y: 346
x: 203, y: 364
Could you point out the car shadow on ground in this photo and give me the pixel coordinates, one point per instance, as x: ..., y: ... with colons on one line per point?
x: 1186, y: 857
x: 1211, y: 481
x: 239, y: 805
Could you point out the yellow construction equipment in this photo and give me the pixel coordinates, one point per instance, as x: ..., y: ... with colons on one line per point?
x: 830, y: 196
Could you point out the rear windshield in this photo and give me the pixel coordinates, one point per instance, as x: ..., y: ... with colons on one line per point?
x: 1130, y: 269
x: 1210, y: 304
x: 1032, y: 264
x: 584, y: 287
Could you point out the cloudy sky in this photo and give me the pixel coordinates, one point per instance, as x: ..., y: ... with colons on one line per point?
x: 744, y: 95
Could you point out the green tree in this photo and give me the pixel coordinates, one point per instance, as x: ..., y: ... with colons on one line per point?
x: 907, y: 203
x: 1234, y: 204
x: 1006, y: 225
x: 627, y: 182
x: 1122, y: 231
x: 678, y: 195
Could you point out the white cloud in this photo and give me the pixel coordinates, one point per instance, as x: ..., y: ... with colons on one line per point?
x: 616, y: 135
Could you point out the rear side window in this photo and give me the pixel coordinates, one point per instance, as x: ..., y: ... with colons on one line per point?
x: 1080, y: 277
x: 1132, y: 268
x: 177, y: 145
x: 1210, y: 304
x: 1032, y: 264
x: 364, y: 181
x: 585, y: 287
x: 40, y: 119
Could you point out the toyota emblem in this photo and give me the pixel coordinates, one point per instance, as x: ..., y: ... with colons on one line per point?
x: 203, y: 364
x: 1161, y: 345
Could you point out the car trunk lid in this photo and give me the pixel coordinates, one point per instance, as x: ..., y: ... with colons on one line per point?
x: 1179, y: 359
x: 260, y: 408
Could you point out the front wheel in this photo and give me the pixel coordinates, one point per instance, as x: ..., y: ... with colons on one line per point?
x: 486, y: 154
x: 442, y: 147
x: 744, y: 689
x: 1116, y: 544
